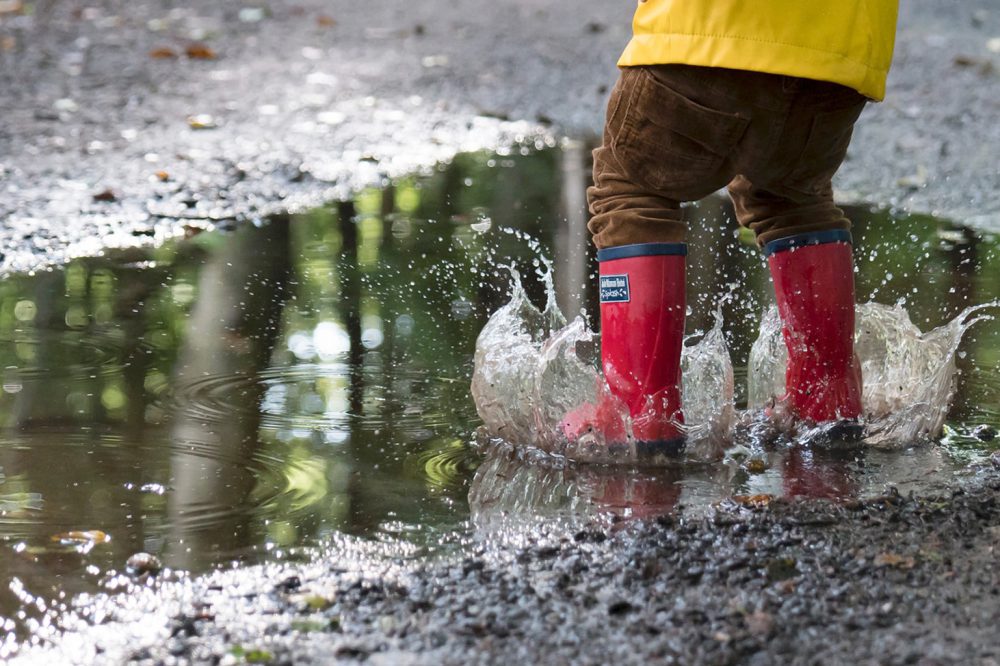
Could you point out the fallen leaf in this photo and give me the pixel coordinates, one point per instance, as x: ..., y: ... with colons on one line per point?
x: 325, y: 21
x: 200, y: 52
x: 163, y: 53
x: 8, y: 43
x: 782, y: 568
x: 760, y: 500
x: 894, y: 560
x: 106, y: 195
x: 162, y: 176
x: 11, y: 6
x: 760, y: 623
x: 201, y: 121
x: 74, y: 537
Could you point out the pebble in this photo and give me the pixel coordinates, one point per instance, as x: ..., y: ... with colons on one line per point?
x: 140, y: 564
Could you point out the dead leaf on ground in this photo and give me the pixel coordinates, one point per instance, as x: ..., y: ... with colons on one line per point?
x: 760, y: 623
x: 201, y: 121
x: 759, y: 500
x: 163, y: 53
x: 8, y: 43
x: 11, y: 7
x: 325, y: 21
x: 162, y: 176
x: 200, y: 52
x: 106, y: 195
x: 894, y: 560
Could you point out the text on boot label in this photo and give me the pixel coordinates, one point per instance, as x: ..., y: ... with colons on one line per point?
x: 614, y: 289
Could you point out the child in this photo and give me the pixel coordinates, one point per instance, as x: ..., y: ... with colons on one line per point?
x: 762, y: 98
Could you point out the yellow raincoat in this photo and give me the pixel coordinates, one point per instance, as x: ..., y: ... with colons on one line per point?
x: 844, y: 41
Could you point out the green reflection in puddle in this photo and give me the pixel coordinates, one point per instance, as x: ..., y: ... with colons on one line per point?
x: 231, y: 395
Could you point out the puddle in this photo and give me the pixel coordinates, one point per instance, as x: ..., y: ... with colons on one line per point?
x: 232, y: 397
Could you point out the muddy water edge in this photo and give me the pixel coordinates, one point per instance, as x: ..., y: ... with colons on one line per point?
x: 243, y: 396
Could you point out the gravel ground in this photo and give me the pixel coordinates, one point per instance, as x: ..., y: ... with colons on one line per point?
x: 123, y: 122
x: 250, y: 110
x: 887, y: 580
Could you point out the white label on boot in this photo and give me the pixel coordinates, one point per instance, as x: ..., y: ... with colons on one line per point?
x: 614, y: 289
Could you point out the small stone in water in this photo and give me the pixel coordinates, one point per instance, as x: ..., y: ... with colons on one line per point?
x: 984, y: 433
x: 143, y: 563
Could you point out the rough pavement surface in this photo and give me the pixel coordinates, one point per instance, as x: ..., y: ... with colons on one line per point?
x: 121, y: 122
x: 890, y: 580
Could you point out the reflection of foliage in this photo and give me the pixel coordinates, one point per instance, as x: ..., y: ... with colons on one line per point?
x: 93, y: 348
x: 13, y: 504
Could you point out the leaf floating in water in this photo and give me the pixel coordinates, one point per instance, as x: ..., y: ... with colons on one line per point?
x: 81, y: 536
x: 162, y: 176
x: 82, y: 541
x: 200, y: 51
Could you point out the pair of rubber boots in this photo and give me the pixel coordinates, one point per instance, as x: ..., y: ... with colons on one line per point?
x: 642, y: 330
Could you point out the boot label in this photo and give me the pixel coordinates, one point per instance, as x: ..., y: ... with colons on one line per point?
x: 614, y: 289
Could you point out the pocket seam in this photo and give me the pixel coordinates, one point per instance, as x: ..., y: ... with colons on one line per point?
x: 807, y: 156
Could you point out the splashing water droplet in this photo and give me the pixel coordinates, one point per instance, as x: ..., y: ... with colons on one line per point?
x: 908, y: 375
x: 532, y: 369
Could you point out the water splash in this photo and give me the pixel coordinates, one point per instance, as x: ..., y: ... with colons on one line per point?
x: 532, y: 369
x: 909, y: 376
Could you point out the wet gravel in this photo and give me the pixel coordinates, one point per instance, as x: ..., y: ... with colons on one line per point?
x: 124, y: 122
x: 888, y: 580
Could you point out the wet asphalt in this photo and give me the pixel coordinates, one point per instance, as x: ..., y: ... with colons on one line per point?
x: 124, y: 123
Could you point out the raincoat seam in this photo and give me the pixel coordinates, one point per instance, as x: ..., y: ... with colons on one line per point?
x: 759, y: 40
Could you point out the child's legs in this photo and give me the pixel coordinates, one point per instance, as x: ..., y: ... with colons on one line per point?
x: 660, y: 149
x: 793, y: 193
x: 777, y: 214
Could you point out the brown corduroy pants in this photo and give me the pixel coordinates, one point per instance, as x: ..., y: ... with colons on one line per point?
x: 677, y: 133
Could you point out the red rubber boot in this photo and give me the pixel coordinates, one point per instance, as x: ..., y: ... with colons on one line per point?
x: 813, y: 277
x: 642, y: 329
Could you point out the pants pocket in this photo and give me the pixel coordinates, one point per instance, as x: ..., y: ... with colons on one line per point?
x: 825, y: 149
x: 668, y: 142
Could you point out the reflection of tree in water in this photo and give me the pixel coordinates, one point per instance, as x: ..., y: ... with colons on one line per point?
x: 231, y: 334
